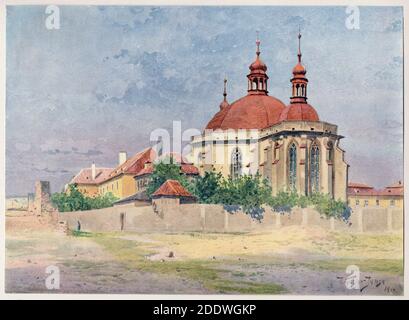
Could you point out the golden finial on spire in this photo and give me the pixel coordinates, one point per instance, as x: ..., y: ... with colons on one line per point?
x: 299, y: 44
x: 258, y: 43
x: 225, y: 88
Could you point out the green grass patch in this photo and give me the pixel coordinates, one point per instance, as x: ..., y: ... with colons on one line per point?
x: 391, y: 266
x: 77, y: 233
x: 208, y: 273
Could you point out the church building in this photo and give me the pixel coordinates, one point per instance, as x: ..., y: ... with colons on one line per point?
x: 289, y: 145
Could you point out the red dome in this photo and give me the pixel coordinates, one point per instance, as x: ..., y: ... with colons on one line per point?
x: 254, y: 111
x: 299, y: 69
x: 299, y: 112
x: 258, y: 66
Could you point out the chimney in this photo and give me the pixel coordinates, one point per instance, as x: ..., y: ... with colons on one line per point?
x: 93, y: 171
x: 122, y: 157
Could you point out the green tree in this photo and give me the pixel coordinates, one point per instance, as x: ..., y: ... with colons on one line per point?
x: 207, y: 187
x: 163, y: 171
x: 248, y: 193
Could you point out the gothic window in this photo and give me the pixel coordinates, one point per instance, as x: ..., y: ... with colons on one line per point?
x: 236, y: 163
x: 330, y: 153
x: 315, y: 168
x: 292, y: 167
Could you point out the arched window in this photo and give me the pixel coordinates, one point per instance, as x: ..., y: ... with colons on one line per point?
x: 298, y: 89
x: 292, y: 167
x: 330, y: 149
x: 235, y: 163
x: 315, y: 168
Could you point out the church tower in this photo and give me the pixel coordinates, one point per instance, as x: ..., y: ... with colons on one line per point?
x: 299, y: 80
x: 257, y: 78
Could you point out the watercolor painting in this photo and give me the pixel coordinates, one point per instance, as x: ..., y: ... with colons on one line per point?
x: 204, y: 150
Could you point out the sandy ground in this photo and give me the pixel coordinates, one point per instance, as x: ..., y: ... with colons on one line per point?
x: 291, y: 260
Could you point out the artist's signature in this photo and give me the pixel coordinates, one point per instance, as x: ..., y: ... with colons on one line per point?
x: 372, y: 283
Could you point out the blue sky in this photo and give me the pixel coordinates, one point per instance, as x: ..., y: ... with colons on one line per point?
x: 110, y: 75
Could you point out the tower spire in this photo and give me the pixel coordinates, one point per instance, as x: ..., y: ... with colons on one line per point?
x: 299, y: 81
x: 224, y: 103
x: 257, y: 78
x: 299, y: 44
x: 225, y: 89
x: 257, y: 44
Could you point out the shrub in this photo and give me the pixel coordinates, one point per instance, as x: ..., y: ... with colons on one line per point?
x: 74, y: 200
x: 207, y: 187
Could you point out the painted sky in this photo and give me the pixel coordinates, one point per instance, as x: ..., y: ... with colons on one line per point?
x: 111, y: 75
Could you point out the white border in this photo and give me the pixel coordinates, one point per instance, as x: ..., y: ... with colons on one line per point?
x: 58, y: 296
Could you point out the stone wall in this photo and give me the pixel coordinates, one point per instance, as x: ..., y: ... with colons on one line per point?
x: 170, y: 217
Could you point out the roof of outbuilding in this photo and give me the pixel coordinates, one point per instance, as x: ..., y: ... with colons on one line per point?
x: 172, y: 188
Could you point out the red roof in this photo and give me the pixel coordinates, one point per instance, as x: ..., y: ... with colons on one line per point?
x: 254, y: 111
x: 373, y: 192
x: 188, y: 169
x: 359, y: 185
x: 172, y: 188
x: 299, y: 69
x: 299, y: 112
x: 85, y: 176
x: 362, y: 189
x: 398, y: 184
x: 134, y: 164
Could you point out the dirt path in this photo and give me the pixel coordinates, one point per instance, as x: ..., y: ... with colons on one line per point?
x: 85, y: 267
x: 296, y: 262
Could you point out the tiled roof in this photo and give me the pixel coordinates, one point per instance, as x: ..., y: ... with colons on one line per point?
x: 373, y: 192
x: 250, y: 112
x: 299, y: 112
x: 188, y: 169
x: 172, y: 188
x: 359, y: 185
x: 398, y: 184
x: 85, y: 176
x: 134, y: 164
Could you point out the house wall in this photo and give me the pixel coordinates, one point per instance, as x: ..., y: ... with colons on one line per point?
x: 121, y: 186
x: 370, y: 201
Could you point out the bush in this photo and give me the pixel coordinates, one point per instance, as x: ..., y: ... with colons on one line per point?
x: 247, y: 193
x: 323, y: 203
x: 74, y: 200
x: 207, y: 187
x: 163, y: 171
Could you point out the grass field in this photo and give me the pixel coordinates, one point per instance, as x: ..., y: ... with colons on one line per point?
x: 292, y: 260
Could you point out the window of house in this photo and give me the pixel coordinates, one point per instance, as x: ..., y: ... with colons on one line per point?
x: 365, y: 203
x: 236, y: 164
x: 292, y: 167
x: 315, y: 168
x: 392, y: 203
x: 357, y: 202
x: 377, y: 202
